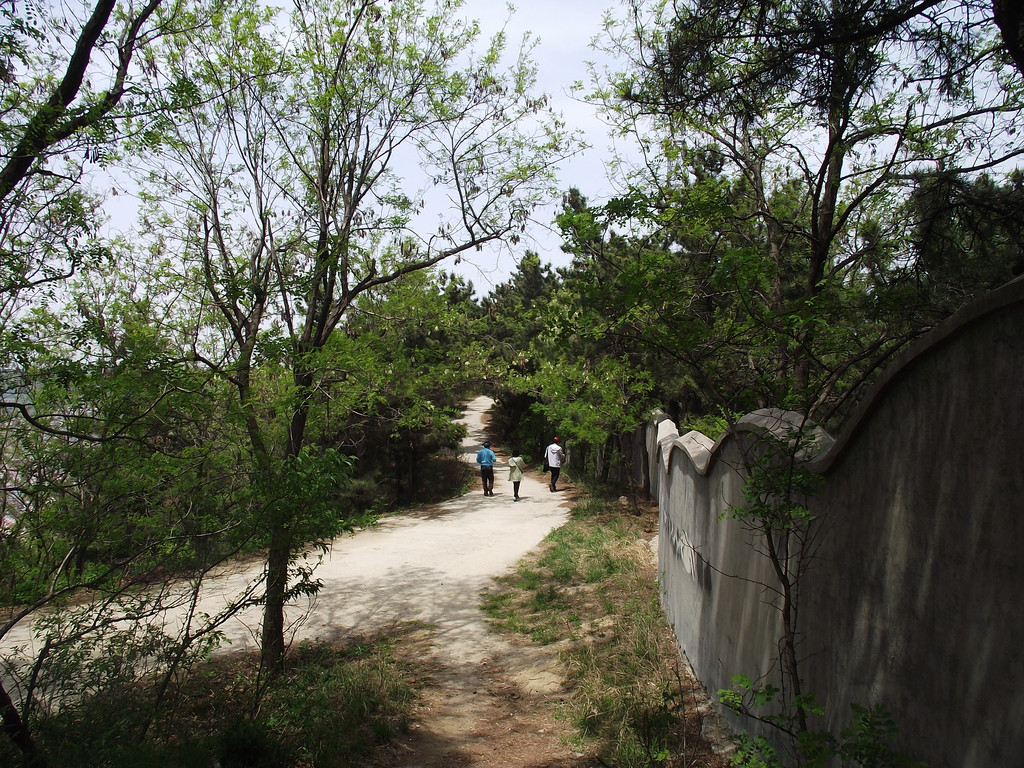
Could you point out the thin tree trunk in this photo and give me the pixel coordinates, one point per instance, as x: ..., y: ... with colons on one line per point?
x: 278, y: 557
x: 281, y: 545
x: 17, y: 730
x: 779, y: 556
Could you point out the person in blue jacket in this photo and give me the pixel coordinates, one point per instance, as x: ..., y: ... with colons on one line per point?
x: 486, y: 459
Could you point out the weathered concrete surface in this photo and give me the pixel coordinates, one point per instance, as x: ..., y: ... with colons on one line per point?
x: 925, y: 503
x: 912, y: 598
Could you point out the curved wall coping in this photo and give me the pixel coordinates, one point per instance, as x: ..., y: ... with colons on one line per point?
x: 784, y: 426
x: 698, y: 446
x: 701, y: 449
x: 1005, y: 296
x: 823, y: 451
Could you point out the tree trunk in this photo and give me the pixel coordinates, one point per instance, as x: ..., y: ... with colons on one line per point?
x: 278, y: 558
x: 1009, y: 17
x: 17, y: 730
x: 279, y: 555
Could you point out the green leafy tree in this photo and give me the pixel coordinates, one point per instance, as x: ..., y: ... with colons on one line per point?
x: 406, y: 357
x: 557, y: 366
x: 119, y: 463
x: 511, y: 308
x: 68, y: 78
x: 966, y: 239
x: 515, y: 315
x: 300, y: 179
x: 783, y: 143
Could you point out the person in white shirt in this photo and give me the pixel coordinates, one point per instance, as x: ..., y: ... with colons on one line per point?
x: 554, y: 457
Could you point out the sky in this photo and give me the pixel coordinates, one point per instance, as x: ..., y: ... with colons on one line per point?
x: 564, y: 29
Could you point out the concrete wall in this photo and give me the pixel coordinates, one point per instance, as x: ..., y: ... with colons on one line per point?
x: 913, y: 598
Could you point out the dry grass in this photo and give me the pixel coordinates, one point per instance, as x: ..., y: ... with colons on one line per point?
x: 592, y: 591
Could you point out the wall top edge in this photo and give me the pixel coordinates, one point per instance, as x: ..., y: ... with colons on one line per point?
x: 784, y: 426
x: 822, y: 450
x: 1008, y: 295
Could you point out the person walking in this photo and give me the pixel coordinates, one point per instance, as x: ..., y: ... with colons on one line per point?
x: 486, y: 459
x: 554, y: 457
x: 516, y: 465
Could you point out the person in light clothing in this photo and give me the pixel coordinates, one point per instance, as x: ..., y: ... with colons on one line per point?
x: 516, y: 465
x: 554, y: 457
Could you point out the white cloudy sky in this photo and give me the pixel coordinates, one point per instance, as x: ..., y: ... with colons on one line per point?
x: 565, y: 29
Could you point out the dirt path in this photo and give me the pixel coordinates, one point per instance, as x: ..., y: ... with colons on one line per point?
x: 431, y: 565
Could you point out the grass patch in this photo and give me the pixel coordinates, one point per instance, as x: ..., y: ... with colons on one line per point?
x: 592, y: 588
x: 332, y: 706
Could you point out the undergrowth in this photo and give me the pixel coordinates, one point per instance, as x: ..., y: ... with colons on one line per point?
x: 333, y: 705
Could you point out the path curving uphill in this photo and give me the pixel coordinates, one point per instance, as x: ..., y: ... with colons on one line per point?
x: 430, y: 565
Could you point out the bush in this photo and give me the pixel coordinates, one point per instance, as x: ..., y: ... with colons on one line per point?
x: 332, y: 703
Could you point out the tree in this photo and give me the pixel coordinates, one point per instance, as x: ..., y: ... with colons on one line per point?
x: 118, y: 463
x: 800, y: 130
x: 786, y: 147
x: 66, y: 79
x: 966, y: 240
x: 293, y: 187
x: 512, y: 311
x: 1010, y: 18
x: 55, y: 121
x: 556, y: 367
x: 404, y: 360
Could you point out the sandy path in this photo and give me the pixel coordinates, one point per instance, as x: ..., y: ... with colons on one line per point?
x: 431, y: 565
x: 490, y: 702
